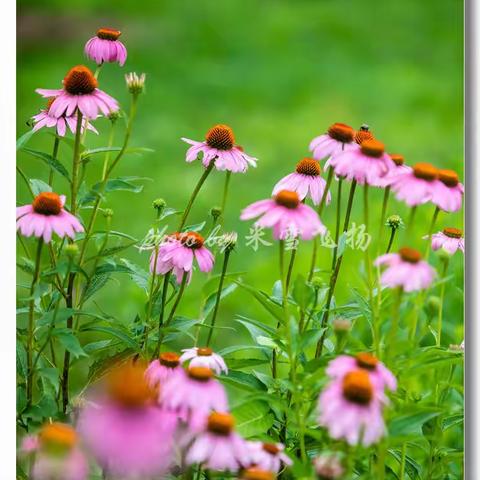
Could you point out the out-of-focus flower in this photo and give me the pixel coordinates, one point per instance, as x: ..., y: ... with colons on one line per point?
x: 366, y: 163
x: 269, y: 456
x: 161, y: 370
x: 406, y: 270
x: 219, y: 147
x: 394, y: 222
x: 123, y: 427
x: 338, y: 138
x: 449, y: 239
x: 255, y: 473
x: 217, y: 446
x: 415, y: 186
x: 45, y: 215
x: 286, y: 215
x: 204, y: 357
x: 177, y: 252
x: 80, y: 91
x: 106, y: 47
x: 193, y: 395
x: 57, y: 455
x: 135, y: 83
x: 306, y: 181
x: 328, y: 467
x: 448, y: 193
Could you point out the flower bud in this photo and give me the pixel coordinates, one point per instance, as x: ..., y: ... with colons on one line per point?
x: 443, y: 255
x: 229, y: 241
x: 432, y: 305
x: 317, y: 283
x: 215, y: 212
x: 341, y: 324
x: 114, y: 116
x: 394, y: 222
x: 135, y: 83
x: 108, y: 213
x: 159, y: 204
x: 71, y: 250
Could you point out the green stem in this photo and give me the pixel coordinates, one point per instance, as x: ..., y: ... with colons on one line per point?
x: 25, y: 179
x: 219, y: 295
x: 31, y: 323
x: 161, y: 316
x: 56, y: 144
x: 390, y: 241
x: 430, y: 231
x: 337, y: 224
x: 76, y: 163
x: 225, y: 192
x: 106, y: 160
x: 383, y: 214
x: 290, y: 269
x: 403, y: 461
x: 395, y: 319
x: 411, y: 219
x: 440, y: 307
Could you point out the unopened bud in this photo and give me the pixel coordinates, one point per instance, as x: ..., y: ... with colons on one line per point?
x: 108, y: 213
x: 135, y: 83
x: 432, y: 305
x: 317, y: 283
x: 229, y: 241
x: 394, y: 222
x: 215, y: 212
x: 71, y: 250
x: 443, y: 255
x: 159, y: 204
x: 114, y: 116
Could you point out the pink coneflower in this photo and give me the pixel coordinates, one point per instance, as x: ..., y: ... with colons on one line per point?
x: 415, y: 186
x: 161, y: 370
x: 448, y: 193
x: 380, y: 375
x: 351, y: 408
x: 79, y: 92
x: 366, y: 164
x: 218, y: 447
x: 449, y: 239
x: 204, y: 357
x: 44, y: 119
x: 106, y: 47
x: 339, y: 137
x: 406, y: 270
x: 46, y: 215
x: 286, y: 215
x: 177, y: 252
x: 328, y: 467
x: 194, y: 395
x: 399, y: 169
x: 57, y: 454
x: 219, y: 147
x: 269, y: 456
x: 363, y: 134
x: 306, y: 181
x: 127, y: 433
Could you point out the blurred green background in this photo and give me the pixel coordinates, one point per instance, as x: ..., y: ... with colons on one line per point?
x: 279, y: 72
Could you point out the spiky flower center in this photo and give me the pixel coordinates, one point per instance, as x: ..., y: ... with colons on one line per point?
x: 448, y: 177
x: 80, y: 81
x: 308, y: 166
x: 127, y: 386
x: 169, y: 359
x: 47, y: 203
x: 372, y: 148
x: 341, y: 132
x: 357, y: 387
x: 287, y: 199
x: 254, y: 473
x: 220, y: 137
x: 366, y: 360
x: 452, y: 232
x: 220, y: 423
x: 363, y: 134
x: 108, y: 34
x: 57, y: 434
x: 204, y: 352
x: 397, y: 159
x: 425, y: 171
x: 410, y: 255
x: 191, y: 240
x: 271, y: 448
x: 201, y: 374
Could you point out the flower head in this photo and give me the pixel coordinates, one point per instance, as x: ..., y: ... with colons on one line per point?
x: 106, y: 47
x: 217, y: 446
x: 204, y: 357
x: 338, y: 138
x: 45, y: 215
x: 328, y: 467
x: 406, y: 270
x: 394, y: 222
x: 286, y: 215
x: 362, y: 134
x: 80, y: 92
x: 135, y: 83
x: 448, y: 194
x: 161, y: 370
x: 177, y: 252
x: 219, y: 147
x: 306, y: 181
x: 269, y: 456
x: 449, y: 239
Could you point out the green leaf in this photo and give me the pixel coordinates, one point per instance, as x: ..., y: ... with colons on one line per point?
x: 302, y: 293
x: 69, y: 341
x: 24, y: 139
x: 96, y: 151
x: 139, y: 275
x: 210, y: 302
x: 412, y: 468
x: 97, y: 282
x: 39, y: 186
x: 253, y: 418
x: 49, y: 160
x: 411, y: 423
x: 245, y: 381
x: 120, y: 184
x: 21, y: 360
x: 271, y: 307
x: 452, y: 420
x: 114, y: 332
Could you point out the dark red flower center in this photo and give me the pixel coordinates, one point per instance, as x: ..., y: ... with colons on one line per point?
x: 357, y: 387
x: 452, y: 232
x: 363, y: 134
x: 47, y: 203
x: 271, y: 448
x: 366, y: 360
x: 80, y: 81
x: 254, y: 473
x: 341, y: 132
x: 169, y: 359
x: 108, y: 34
x: 220, y: 423
x: 409, y: 255
x: 201, y: 374
x: 220, y: 137
x: 204, y: 352
x: 287, y: 199
x: 397, y: 159
x: 372, y: 148
x: 448, y: 177
x: 191, y: 240
x: 425, y: 171
x: 308, y: 166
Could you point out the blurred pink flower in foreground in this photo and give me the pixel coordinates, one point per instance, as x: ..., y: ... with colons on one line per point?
x: 269, y: 456
x: 46, y: 215
x: 449, y: 239
x: 338, y: 138
x: 219, y: 147
x: 106, y: 47
x: 328, y: 467
x: 204, y: 357
x: 406, y: 270
x: 306, y: 181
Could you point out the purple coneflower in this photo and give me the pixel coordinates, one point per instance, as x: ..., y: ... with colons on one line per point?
x: 339, y: 137
x: 269, y: 456
x: 204, y: 357
x: 106, y: 47
x: 448, y: 192
x: 161, y: 370
x: 449, y: 239
x: 328, y: 467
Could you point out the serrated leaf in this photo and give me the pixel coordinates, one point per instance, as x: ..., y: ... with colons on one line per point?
x: 253, y: 419
x: 69, y: 341
x: 114, y: 332
x: 49, y: 160
x: 97, y: 282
